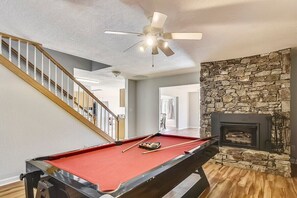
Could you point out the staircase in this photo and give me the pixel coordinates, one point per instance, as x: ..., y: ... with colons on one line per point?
x: 33, y: 64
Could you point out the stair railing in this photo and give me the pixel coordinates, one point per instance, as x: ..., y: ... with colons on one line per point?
x: 36, y: 62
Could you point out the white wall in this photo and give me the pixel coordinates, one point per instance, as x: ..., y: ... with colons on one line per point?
x: 130, y: 107
x: 112, y: 96
x: 194, y: 110
x: 183, y: 109
x: 147, y: 99
x: 31, y: 125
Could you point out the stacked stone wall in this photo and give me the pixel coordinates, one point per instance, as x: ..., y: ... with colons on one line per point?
x: 257, y: 84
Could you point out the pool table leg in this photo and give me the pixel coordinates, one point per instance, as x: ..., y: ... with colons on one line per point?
x: 31, y: 180
x: 45, y: 189
x: 199, y: 186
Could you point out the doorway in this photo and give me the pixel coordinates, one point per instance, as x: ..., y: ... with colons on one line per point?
x: 179, y: 110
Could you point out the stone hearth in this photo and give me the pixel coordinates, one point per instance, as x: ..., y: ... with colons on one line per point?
x: 251, y: 85
x: 261, y: 161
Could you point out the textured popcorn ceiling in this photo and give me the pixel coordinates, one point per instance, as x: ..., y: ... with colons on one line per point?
x: 231, y: 29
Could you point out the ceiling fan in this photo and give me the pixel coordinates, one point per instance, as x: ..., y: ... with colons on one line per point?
x: 155, y: 37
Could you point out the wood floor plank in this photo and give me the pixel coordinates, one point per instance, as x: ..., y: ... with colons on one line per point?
x: 225, y: 182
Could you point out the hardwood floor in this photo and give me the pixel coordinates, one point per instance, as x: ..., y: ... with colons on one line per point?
x: 225, y: 182
x: 191, y: 132
x: 233, y: 182
x: 14, y: 190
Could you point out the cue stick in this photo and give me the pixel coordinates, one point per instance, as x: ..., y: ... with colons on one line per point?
x: 137, y: 143
x: 180, y: 144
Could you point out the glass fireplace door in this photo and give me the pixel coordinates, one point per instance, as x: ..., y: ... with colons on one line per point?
x: 241, y: 135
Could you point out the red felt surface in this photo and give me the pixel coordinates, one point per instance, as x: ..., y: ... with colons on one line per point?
x: 109, y: 167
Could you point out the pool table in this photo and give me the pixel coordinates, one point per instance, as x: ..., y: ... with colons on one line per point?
x: 106, y: 171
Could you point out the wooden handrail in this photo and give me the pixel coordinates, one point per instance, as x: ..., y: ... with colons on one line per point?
x: 9, y: 65
x: 31, y: 65
x: 18, y: 38
x: 73, y: 78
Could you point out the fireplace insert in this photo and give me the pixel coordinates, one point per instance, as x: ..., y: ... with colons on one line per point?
x: 240, y: 135
x: 242, y: 130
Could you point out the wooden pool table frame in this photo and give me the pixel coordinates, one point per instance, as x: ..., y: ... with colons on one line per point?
x: 52, y: 182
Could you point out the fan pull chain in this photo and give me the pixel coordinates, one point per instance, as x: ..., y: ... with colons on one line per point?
x: 153, y: 61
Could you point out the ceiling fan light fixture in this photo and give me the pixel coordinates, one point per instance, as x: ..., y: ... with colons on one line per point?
x: 165, y: 44
x: 154, y: 37
x: 150, y: 40
x: 142, y: 48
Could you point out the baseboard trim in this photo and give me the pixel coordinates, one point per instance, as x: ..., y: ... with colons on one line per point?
x: 182, y: 128
x: 9, y: 180
x: 193, y: 127
x: 188, y: 128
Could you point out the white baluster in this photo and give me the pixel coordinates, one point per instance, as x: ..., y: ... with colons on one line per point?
x: 73, y: 97
x: 88, y: 108
x: 9, y: 49
x: 62, y: 88
x: 56, y: 76
x: 98, y: 118
x: 101, y: 118
x: 112, y: 129
x: 92, y: 112
x: 0, y: 44
x: 27, y: 58
x: 19, y: 53
x: 35, y: 63
x: 68, y: 90
x: 78, y: 98
x: 73, y: 93
x: 112, y: 126
x: 108, y: 132
x: 83, y: 103
x: 42, y: 69
x: 105, y: 121
x: 49, y: 74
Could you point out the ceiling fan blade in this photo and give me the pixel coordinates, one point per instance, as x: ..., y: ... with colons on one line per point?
x: 122, y: 33
x: 158, y: 20
x: 165, y: 49
x: 187, y: 36
x: 133, y: 46
x: 155, y: 50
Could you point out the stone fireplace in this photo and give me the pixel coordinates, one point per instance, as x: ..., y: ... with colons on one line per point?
x: 242, y: 101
